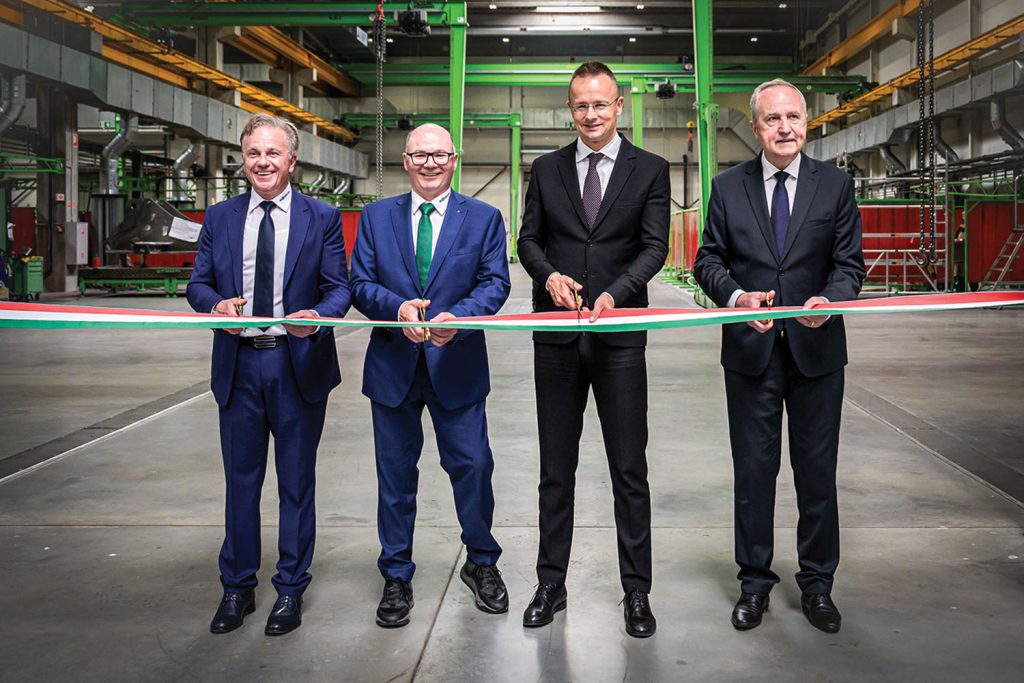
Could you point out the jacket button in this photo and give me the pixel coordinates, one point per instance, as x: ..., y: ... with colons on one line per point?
x: 781, y: 272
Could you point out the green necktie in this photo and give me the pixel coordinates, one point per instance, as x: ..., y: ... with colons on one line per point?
x: 424, y: 242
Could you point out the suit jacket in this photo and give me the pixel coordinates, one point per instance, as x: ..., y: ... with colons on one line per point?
x: 621, y: 253
x: 315, y: 277
x: 822, y: 256
x: 468, y: 277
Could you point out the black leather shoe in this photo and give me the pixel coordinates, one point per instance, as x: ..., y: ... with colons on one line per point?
x: 821, y: 612
x: 640, y: 621
x: 286, y: 615
x: 487, y: 586
x: 547, y: 599
x: 395, y: 603
x: 232, y: 610
x: 748, y: 610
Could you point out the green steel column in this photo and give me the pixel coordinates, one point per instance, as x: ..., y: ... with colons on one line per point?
x: 455, y: 12
x: 515, y: 123
x: 636, y: 93
x: 707, y: 110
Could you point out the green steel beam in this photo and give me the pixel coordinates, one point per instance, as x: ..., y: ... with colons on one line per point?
x: 275, y: 13
x: 707, y: 110
x: 636, y: 97
x: 455, y: 13
x: 557, y: 75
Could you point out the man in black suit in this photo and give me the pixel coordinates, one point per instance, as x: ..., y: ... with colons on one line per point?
x: 595, y: 231
x: 783, y: 227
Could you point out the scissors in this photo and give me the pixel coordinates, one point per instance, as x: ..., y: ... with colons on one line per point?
x: 423, y: 318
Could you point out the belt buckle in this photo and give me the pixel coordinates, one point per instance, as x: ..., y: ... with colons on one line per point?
x: 264, y: 341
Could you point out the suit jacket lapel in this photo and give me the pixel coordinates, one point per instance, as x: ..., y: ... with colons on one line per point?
x: 754, y: 185
x: 298, y: 225
x: 401, y: 223
x: 624, y: 166
x: 236, y: 236
x: 571, y: 181
x: 450, y: 228
x: 806, y: 187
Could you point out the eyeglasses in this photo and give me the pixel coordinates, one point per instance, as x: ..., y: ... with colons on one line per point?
x: 420, y: 158
x: 582, y: 107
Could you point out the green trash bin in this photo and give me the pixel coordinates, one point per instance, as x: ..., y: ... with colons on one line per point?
x: 26, y: 278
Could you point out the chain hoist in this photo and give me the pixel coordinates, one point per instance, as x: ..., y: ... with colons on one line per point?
x: 927, y: 253
x: 379, y: 53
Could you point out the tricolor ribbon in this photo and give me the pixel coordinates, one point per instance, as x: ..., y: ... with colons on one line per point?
x: 54, y: 316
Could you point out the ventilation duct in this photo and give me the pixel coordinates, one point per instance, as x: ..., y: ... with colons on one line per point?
x: 318, y: 182
x: 342, y: 186
x: 113, y: 151
x: 180, y: 171
x: 944, y: 150
x: 892, y: 162
x: 1009, y: 134
x: 238, y: 180
x: 13, y: 101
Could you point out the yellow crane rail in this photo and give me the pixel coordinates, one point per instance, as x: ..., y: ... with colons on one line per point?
x: 1003, y: 33
x: 188, y: 66
x: 876, y: 28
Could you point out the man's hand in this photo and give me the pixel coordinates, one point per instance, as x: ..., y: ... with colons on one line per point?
x: 603, y: 303
x: 231, y: 308
x: 301, y: 330
x: 755, y: 300
x: 409, y: 312
x: 814, y: 320
x: 441, y: 336
x: 562, y: 290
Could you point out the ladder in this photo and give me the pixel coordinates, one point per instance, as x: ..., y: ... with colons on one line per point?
x: 1004, y: 261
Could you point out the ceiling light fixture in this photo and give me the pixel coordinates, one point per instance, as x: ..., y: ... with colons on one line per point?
x: 783, y: 5
x: 640, y: 5
x: 492, y: 6
x: 568, y: 9
x: 753, y: 39
x: 504, y: 40
x: 632, y: 39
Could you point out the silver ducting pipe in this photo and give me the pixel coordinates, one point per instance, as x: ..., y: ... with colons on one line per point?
x: 342, y: 186
x: 944, y: 150
x: 1009, y: 134
x: 314, y: 187
x: 13, y: 101
x: 896, y: 166
x: 179, y: 172
x: 238, y: 180
x: 113, y: 151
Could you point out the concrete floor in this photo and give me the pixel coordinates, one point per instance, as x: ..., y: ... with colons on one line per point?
x: 109, y: 544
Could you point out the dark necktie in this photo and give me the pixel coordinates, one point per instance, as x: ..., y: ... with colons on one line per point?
x: 263, y: 283
x: 780, y: 210
x: 592, y: 189
x: 424, y: 242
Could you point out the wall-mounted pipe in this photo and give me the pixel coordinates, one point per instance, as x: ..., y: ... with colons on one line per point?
x: 342, y: 186
x: 113, y: 151
x: 180, y: 170
x: 1009, y: 134
x: 238, y: 180
x: 895, y: 166
x: 13, y: 101
x: 943, y: 148
x: 314, y: 187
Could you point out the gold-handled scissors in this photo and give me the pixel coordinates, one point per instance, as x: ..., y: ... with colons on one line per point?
x: 769, y: 299
x: 423, y: 318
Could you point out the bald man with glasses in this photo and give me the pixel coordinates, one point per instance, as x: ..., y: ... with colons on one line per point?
x: 430, y: 254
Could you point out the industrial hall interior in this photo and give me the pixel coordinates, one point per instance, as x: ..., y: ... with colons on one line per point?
x: 591, y: 340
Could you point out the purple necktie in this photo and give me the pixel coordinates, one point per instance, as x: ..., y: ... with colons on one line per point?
x: 592, y: 189
x: 780, y: 210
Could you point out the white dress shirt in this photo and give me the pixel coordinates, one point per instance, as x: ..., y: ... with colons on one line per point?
x: 281, y: 215
x: 768, y: 171
x: 440, y: 204
x: 604, y: 166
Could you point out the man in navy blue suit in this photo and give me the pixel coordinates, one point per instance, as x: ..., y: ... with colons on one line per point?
x: 270, y: 252
x: 783, y: 227
x: 431, y: 254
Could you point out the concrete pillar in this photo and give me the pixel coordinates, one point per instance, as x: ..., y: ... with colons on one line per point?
x: 57, y: 193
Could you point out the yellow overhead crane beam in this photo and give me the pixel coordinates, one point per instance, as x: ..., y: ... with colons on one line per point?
x: 281, y: 44
x: 947, y: 60
x: 873, y: 30
x: 251, y: 95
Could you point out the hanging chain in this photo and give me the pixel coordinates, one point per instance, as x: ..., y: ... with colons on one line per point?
x: 930, y: 9
x: 922, y: 131
x: 379, y: 53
